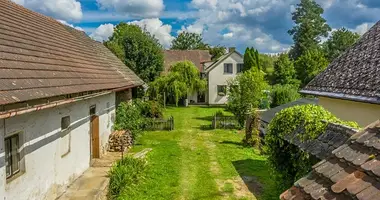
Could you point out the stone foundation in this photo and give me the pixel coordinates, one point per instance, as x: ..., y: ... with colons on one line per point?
x: 120, y: 141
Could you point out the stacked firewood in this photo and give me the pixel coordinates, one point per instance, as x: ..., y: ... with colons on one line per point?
x: 119, y: 141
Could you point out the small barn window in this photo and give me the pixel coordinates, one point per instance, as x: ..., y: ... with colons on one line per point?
x: 228, y: 68
x: 92, y: 110
x: 65, y: 136
x: 12, y: 155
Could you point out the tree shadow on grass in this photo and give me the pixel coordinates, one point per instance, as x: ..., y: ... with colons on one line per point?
x: 248, y: 172
x: 205, y: 118
x: 232, y: 142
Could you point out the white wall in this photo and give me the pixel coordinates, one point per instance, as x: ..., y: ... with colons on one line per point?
x: 363, y: 113
x: 47, y: 173
x: 217, y: 77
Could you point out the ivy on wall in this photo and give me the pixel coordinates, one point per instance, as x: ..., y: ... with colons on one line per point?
x: 288, y: 162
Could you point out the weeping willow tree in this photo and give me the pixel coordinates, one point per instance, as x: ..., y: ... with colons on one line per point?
x: 182, y: 80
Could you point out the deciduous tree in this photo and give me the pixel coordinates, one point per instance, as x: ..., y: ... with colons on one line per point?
x: 339, y: 42
x: 245, y: 93
x: 138, y: 49
x: 188, y: 41
x: 182, y: 79
x: 310, y: 64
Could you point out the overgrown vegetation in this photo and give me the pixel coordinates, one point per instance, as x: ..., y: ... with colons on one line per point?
x: 125, y: 176
x: 282, y: 94
x: 251, y: 59
x: 287, y: 161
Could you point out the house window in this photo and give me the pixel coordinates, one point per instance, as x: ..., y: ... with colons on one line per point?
x: 222, y: 90
x: 12, y: 155
x: 239, y: 67
x: 228, y: 68
x: 65, y: 136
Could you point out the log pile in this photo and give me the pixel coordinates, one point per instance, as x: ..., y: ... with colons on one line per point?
x: 119, y: 141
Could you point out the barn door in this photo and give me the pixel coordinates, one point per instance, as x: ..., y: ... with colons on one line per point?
x: 95, y: 136
x: 94, y: 131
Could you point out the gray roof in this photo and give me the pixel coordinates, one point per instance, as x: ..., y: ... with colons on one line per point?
x: 355, y: 75
x: 268, y: 115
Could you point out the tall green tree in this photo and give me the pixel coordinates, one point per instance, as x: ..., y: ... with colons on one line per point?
x: 309, y: 27
x: 188, y: 41
x: 284, y: 72
x: 251, y: 59
x: 309, y: 65
x: 138, y: 49
x: 339, y: 41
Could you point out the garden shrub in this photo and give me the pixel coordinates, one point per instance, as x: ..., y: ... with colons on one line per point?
x: 287, y: 161
x: 125, y: 175
x: 149, y: 109
x: 136, y: 115
x: 128, y: 117
x: 282, y: 94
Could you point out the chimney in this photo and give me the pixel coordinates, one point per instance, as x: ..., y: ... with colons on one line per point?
x: 231, y: 49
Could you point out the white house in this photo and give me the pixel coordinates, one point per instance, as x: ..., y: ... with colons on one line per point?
x: 58, y: 94
x: 218, y: 74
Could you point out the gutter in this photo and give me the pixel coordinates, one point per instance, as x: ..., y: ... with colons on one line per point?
x: 371, y: 100
x: 12, y: 113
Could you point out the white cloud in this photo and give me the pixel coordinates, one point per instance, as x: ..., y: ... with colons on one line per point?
x: 72, y: 26
x: 69, y: 10
x: 204, y: 4
x: 103, y: 32
x: 154, y: 26
x: 194, y: 28
x: 242, y: 23
x: 228, y: 35
x: 363, y: 28
x: 157, y: 28
x: 135, y: 8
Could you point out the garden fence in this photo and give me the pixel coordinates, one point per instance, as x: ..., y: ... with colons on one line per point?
x: 224, y: 122
x: 161, y: 124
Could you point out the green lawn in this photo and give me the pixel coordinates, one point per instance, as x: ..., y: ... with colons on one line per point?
x: 191, y: 163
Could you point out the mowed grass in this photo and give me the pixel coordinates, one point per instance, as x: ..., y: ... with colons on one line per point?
x: 193, y: 163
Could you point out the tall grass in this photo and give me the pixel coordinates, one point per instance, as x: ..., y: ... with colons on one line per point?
x: 125, y: 175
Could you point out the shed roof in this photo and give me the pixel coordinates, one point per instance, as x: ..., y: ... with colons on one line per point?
x: 268, y: 115
x: 198, y: 57
x: 355, y: 75
x: 40, y: 58
x: 352, y: 171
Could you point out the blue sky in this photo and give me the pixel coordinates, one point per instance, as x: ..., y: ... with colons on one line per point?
x: 262, y: 24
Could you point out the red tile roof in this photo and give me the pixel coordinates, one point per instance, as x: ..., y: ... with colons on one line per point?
x: 198, y: 57
x: 40, y: 58
x: 351, y: 172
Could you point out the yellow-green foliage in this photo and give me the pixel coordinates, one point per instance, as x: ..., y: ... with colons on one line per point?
x: 287, y: 161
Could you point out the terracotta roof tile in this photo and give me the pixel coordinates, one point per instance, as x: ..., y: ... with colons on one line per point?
x: 40, y: 58
x: 352, y: 171
x: 198, y: 57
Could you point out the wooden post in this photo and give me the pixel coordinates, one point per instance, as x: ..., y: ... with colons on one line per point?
x: 164, y: 100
